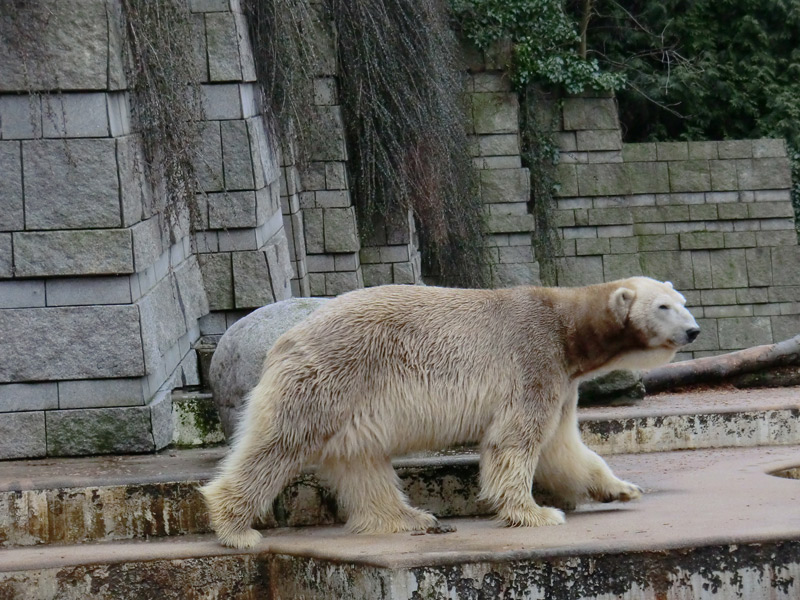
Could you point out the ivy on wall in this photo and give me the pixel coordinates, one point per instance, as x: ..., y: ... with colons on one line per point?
x: 704, y: 69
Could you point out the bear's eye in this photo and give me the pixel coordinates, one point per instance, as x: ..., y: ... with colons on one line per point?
x: 664, y: 307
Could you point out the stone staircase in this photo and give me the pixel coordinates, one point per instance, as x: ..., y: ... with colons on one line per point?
x: 720, y: 518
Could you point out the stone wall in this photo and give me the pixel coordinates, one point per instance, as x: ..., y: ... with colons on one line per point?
x: 102, y: 296
x: 715, y: 218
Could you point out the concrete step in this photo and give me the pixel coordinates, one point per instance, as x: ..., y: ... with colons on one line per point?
x: 72, y: 500
x: 713, y: 523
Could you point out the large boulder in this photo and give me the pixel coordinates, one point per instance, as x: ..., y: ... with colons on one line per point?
x: 239, y: 357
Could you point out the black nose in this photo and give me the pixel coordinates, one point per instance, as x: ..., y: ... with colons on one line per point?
x: 692, y: 334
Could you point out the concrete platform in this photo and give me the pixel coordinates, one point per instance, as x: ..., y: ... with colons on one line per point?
x: 72, y: 500
x: 712, y: 523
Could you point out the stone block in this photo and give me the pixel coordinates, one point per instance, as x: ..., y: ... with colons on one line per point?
x: 335, y: 176
x: 84, y: 291
x: 579, y: 270
x: 11, y: 210
x: 763, y: 173
x: 610, y: 216
x: 689, y: 176
x: 672, y: 150
x: 280, y: 268
x: 591, y: 140
x: 99, y: 431
x: 313, y: 227
x: 252, y: 286
x: 75, y: 115
x: 229, y: 210
x: 620, y: 266
x: 703, y: 212
x: 646, y: 178
x: 605, y: 156
x: 403, y: 273
x: 136, y: 192
x: 590, y: 113
x: 498, y: 145
x: 208, y: 162
x: 709, y: 336
x: 638, y: 152
x: 776, y: 238
x: 495, y: 112
x: 785, y: 326
x: 603, y: 179
x: 669, y: 266
x: 325, y: 91
x: 96, y: 393
x: 769, y: 210
x: 73, y: 35
x: 566, y: 141
x: 732, y: 211
x: 784, y: 294
x: 752, y: 296
x: 376, y: 274
x: 509, y: 223
x: 263, y: 153
x: 701, y: 266
x: 87, y: 174
x: 344, y: 262
x: 340, y: 230
x: 217, y: 271
x: 326, y: 139
x: 162, y: 322
x: 21, y: 294
x: 744, y: 332
x: 567, y: 180
x: 592, y: 246
x: 23, y: 435
x: 769, y: 148
x: 332, y: 199
x: 699, y: 150
x: 735, y: 149
x: 79, y: 252
x: 161, y: 418
x: 342, y: 282
x: 6, y: 262
x: 148, y: 245
x: 391, y: 254
x: 653, y: 243
x: 516, y: 254
x: 718, y: 297
x: 729, y: 268
x: 222, y: 43
x: 15, y: 397
x: 236, y: 240
x: 70, y: 343
x: 236, y: 156
x: 221, y: 101
x: 20, y: 117
x: 511, y: 274
x: 505, y: 185
x: 786, y: 265
x: 701, y: 240
x: 740, y: 239
x: 660, y: 214
x: 759, y: 266
x: 193, y: 299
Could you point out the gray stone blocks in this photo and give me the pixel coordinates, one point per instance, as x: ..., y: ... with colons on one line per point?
x: 495, y: 113
x: 16, y: 397
x: 95, y: 393
x: 99, y: 431
x: 77, y: 252
x: 57, y: 342
x: 88, y: 191
x: 11, y: 203
x: 23, y: 435
x: 22, y: 294
x: 590, y: 113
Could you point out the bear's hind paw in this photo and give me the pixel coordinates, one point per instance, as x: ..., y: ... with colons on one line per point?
x: 241, y: 540
x: 541, y: 516
x: 624, y: 491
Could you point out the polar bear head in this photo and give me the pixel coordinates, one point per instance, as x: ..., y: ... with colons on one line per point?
x: 656, y: 314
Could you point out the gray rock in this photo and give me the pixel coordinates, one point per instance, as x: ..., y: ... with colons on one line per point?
x: 28, y: 396
x: 238, y: 359
x: 614, y: 388
x: 11, y: 216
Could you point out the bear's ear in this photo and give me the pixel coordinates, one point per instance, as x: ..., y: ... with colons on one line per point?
x: 620, y: 302
x: 669, y: 283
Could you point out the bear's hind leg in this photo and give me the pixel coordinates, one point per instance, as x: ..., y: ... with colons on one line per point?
x: 509, y: 453
x: 251, y: 477
x: 368, y: 490
x: 572, y: 471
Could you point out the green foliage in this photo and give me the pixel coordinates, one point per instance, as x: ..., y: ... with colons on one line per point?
x: 705, y: 69
x: 402, y: 92
x: 544, y: 43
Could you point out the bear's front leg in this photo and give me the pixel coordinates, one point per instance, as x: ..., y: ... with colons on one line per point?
x: 572, y: 471
x: 509, y: 453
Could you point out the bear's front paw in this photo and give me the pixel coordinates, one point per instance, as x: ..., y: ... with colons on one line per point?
x: 624, y: 491
x: 539, y: 516
x: 240, y: 539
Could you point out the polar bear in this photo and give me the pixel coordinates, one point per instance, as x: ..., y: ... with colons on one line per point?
x: 393, y: 369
